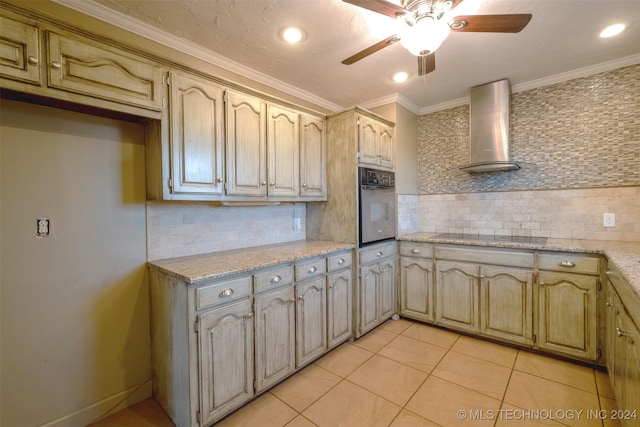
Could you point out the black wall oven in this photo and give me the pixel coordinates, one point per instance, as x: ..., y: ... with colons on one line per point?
x: 377, y: 205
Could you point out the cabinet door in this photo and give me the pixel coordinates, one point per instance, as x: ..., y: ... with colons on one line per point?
x: 385, y: 146
x: 90, y: 68
x: 368, y: 140
x: 368, y: 297
x: 275, y: 336
x: 611, y: 311
x: 506, y: 304
x: 631, y: 394
x: 416, y: 288
x: 245, y: 145
x: 457, y: 293
x: 19, y: 51
x: 196, y: 135
x: 386, y: 289
x: 313, y: 182
x: 567, y: 314
x: 311, y: 320
x: 283, y: 143
x: 225, y: 338
x: 339, y: 307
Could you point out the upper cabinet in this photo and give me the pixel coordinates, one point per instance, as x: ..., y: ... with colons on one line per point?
x: 196, y: 138
x: 313, y: 181
x: 19, y: 50
x: 58, y: 65
x: 375, y: 140
x: 246, y: 122
x: 283, y: 143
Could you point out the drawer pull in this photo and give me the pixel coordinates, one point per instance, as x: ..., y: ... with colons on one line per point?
x: 56, y: 65
x: 313, y: 269
x: 276, y: 278
x: 341, y: 261
x: 379, y: 253
x: 226, y: 293
x: 567, y: 264
x: 415, y: 251
x: 32, y: 60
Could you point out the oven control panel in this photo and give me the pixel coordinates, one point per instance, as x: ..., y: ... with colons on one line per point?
x: 377, y: 177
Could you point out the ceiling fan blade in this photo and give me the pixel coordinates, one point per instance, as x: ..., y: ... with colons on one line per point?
x: 426, y: 64
x: 511, y: 23
x: 371, y: 49
x: 381, y: 6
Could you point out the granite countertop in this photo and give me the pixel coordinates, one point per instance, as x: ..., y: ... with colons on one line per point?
x: 624, y: 255
x: 197, y: 268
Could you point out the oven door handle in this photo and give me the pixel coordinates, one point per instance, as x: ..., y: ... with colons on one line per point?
x: 376, y: 187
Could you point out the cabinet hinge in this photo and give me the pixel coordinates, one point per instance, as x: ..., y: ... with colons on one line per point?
x: 170, y: 183
x: 598, y: 354
x: 599, y: 284
x: 198, y: 417
x: 164, y: 102
x: 195, y: 326
x: 535, y: 338
x: 224, y: 97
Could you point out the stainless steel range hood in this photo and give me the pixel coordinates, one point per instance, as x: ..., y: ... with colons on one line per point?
x: 489, y: 129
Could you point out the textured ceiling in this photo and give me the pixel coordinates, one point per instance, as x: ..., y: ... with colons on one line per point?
x: 561, y: 37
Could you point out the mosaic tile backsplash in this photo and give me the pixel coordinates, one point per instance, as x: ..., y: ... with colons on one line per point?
x: 580, y: 133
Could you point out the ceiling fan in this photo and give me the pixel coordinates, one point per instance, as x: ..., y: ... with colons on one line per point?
x: 425, y: 24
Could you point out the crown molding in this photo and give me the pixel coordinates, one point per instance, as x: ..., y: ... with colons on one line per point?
x: 393, y: 98
x: 154, y: 34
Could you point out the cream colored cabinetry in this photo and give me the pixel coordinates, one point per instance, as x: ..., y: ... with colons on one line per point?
x: 226, y: 371
x: 275, y: 326
x: 375, y: 140
x: 196, y: 139
x: 311, y: 311
x: 313, y: 181
x: 339, y: 298
x: 622, y: 347
x: 377, y: 285
x: 76, y: 69
x: 20, y: 56
x: 567, y: 304
x: 262, y: 148
x: 416, y: 281
x: 486, y: 291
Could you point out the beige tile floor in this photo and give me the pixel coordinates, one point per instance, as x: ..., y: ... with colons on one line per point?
x: 410, y: 374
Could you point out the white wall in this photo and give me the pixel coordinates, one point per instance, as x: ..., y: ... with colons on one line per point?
x: 74, y: 311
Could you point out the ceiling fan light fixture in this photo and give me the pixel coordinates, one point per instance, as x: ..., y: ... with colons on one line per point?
x: 424, y: 36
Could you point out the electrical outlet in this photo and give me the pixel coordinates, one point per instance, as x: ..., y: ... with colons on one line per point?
x: 609, y: 220
x: 43, y: 227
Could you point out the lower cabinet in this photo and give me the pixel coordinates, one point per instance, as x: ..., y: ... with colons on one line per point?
x: 218, y: 344
x: 457, y: 290
x: 275, y: 337
x: 226, y: 371
x: 622, y: 350
x: 377, y: 285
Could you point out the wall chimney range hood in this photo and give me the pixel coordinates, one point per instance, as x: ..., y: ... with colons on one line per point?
x: 489, y: 129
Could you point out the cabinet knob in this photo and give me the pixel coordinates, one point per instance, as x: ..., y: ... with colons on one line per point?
x: 609, y: 273
x: 292, y: 300
x: 312, y: 269
x: 32, y: 60
x: 226, y: 293
x: 276, y: 278
x: 301, y: 297
x: 56, y: 65
x: 248, y: 315
x: 304, y: 185
x: 567, y: 264
x: 607, y: 304
x: 341, y: 261
x: 619, y: 332
x: 379, y: 254
x: 330, y: 286
x: 273, y: 184
x: 263, y: 183
x: 219, y: 179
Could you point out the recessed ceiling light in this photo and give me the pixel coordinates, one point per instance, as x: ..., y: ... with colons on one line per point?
x: 612, y: 30
x: 292, y: 35
x: 400, y: 77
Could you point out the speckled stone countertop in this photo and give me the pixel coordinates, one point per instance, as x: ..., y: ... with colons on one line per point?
x: 624, y: 255
x: 197, y: 268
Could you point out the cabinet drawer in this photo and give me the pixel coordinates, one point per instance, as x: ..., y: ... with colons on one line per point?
x: 374, y: 253
x: 417, y: 250
x: 223, y: 292
x: 90, y: 68
x: 274, y: 278
x: 573, y: 263
x: 310, y: 269
x: 340, y: 261
x: 486, y: 256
